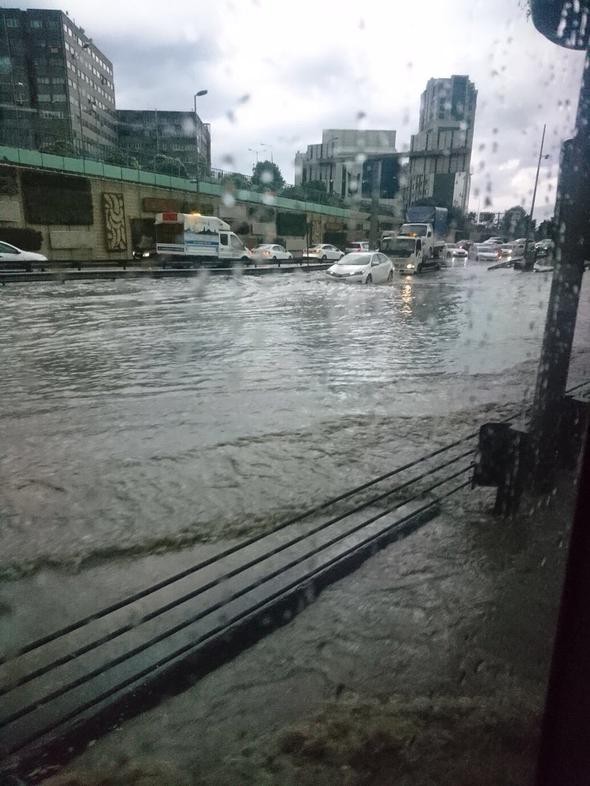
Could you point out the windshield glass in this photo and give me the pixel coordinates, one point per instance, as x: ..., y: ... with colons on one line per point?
x: 354, y: 259
x: 204, y: 423
x: 398, y: 247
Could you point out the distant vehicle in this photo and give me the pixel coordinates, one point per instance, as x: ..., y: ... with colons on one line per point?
x: 466, y: 244
x: 323, y: 251
x: 13, y: 257
x: 407, y: 254
x: 191, y: 238
x: 365, y: 268
x: 498, y: 241
x: 489, y: 251
x: 455, y: 250
x: 544, y: 248
x: 361, y: 245
x: 428, y: 223
x: 268, y: 252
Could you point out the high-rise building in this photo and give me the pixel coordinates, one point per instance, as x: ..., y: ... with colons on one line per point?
x: 440, y: 153
x: 175, y: 139
x: 56, y: 87
x: 343, y: 161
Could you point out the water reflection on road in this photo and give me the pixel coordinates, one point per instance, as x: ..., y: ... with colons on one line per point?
x: 134, y: 414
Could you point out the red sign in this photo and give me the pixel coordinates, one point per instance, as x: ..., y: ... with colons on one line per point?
x: 172, y: 217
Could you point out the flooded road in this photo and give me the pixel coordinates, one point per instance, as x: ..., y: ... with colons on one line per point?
x: 144, y: 415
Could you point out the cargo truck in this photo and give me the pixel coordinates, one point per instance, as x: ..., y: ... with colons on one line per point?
x: 192, y: 238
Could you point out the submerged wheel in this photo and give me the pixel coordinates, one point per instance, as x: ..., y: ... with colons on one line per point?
x: 369, y: 279
x: 390, y: 276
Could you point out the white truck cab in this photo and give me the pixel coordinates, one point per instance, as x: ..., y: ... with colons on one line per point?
x: 408, y: 254
x: 192, y: 237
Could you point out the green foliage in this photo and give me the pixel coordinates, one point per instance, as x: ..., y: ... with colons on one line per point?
x: 25, y: 238
x: 267, y: 175
x: 514, y: 222
x: 236, y: 181
x: 292, y: 224
x: 61, y: 147
x: 53, y: 198
x: 313, y: 191
x: 8, y: 180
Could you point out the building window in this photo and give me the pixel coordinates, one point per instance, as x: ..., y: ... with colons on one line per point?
x: 36, y: 24
x: 12, y: 22
x: 43, y: 97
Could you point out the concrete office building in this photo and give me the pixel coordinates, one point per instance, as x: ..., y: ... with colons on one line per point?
x: 56, y: 87
x: 343, y: 160
x: 440, y: 153
x: 154, y: 137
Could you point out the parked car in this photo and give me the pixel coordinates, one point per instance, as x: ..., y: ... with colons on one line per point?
x: 366, y: 268
x: 323, y: 251
x: 13, y: 257
x: 357, y: 247
x: 267, y: 252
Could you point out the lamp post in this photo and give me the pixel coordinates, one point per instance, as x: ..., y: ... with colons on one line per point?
x: 198, y: 94
x: 254, y: 150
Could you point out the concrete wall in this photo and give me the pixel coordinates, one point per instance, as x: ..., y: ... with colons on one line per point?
x: 142, y: 201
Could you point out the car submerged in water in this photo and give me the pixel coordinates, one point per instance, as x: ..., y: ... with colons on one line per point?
x: 370, y: 267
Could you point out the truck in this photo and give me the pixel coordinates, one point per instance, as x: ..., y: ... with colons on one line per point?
x: 407, y: 254
x: 192, y: 238
x: 428, y: 223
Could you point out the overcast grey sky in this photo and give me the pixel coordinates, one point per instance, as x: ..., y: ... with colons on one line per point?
x: 278, y: 71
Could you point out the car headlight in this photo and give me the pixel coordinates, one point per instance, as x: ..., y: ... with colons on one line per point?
x: 409, y: 266
x: 356, y: 273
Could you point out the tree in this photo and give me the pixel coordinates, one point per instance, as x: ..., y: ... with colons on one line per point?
x: 514, y: 222
x: 267, y: 175
x: 236, y: 181
x: 60, y: 147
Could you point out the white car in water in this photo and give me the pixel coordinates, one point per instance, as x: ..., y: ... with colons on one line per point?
x: 323, y: 251
x: 269, y: 252
x: 11, y: 256
x: 369, y: 267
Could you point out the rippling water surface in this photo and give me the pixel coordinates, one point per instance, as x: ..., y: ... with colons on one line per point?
x: 141, y: 414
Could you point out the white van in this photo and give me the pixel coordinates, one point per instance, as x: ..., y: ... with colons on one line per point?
x: 191, y: 237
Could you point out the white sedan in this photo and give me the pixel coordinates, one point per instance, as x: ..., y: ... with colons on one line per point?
x: 268, y: 252
x: 369, y: 267
x: 323, y: 251
x: 11, y: 255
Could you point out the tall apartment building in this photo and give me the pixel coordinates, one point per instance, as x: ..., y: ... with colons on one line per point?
x: 343, y: 159
x: 440, y: 153
x: 56, y: 87
x: 152, y: 136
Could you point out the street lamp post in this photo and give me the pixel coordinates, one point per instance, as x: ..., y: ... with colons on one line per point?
x: 198, y: 94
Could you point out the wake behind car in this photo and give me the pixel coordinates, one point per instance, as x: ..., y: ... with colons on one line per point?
x: 270, y: 252
x: 13, y: 258
x: 370, y: 267
x: 323, y: 252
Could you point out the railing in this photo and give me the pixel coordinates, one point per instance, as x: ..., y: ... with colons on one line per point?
x: 92, y: 168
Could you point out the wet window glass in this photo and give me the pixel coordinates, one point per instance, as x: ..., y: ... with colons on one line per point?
x: 294, y: 389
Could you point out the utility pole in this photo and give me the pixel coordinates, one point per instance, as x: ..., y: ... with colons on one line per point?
x: 530, y: 215
x: 572, y: 219
x: 198, y: 94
